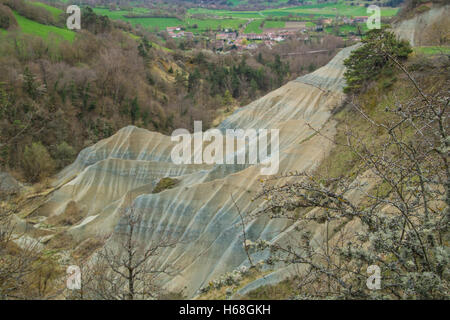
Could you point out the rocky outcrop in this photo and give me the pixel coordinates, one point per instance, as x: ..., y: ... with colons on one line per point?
x: 423, y: 29
x: 8, y: 185
x: 198, y: 210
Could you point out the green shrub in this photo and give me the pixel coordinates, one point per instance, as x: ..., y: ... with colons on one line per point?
x: 37, y: 162
x: 165, y: 183
x: 64, y: 154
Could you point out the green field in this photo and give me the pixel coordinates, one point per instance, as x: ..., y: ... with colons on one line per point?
x: 31, y: 27
x: 317, y: 10
x: 213, y: 24
x: 226, y: 13
x: 162, y: 23
x: 432, y: 50
x: 28, y: 26
x: 267, y: 3
x: 254, y: 26
x: 346, y: 28
x: 54, y: 11
x: 329, y: 10
x: 151, y: 23
x: 270, y: 24
x: 220, y: 19
x: 119, y: 14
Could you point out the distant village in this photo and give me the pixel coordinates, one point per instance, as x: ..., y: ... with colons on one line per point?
x: 232, y: 39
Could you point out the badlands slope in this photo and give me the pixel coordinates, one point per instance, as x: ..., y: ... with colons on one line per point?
x: 199, y: 211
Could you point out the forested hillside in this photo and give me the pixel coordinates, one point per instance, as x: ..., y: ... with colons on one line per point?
x: 63, y: 90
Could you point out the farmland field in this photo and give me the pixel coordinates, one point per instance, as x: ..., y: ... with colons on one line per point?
x: 213, y: 24
x: 200, y: 20
x: 317, y: 10
x: 162, y: 23
x: 226, y: 13
x: 267, y: 3
x: 270, y: 24
x: 254, y: 27
x: 329, y: 10
x: 35, y: 28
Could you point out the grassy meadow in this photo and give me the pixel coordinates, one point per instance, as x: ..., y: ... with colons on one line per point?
x: 31, y: 27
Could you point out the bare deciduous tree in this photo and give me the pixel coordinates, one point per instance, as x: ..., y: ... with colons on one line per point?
x: 17, y: 263
x: 126, y: 267
x: 403, y: 217
x: 244, y: 234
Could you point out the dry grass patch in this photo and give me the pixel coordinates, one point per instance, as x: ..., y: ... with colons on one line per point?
x: 69, y: 217
x: 86, y: 248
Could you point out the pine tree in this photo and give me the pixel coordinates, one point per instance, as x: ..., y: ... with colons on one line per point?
x: 366, y: 63
x: 134, y: 110
x: 227, y: 98
x: 4, y: 100
x: 29, y: 83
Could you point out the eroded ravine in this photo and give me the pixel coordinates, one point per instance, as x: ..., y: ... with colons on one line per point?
x: 199, y: 211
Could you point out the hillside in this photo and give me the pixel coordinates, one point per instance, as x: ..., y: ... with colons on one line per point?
x: 64, y: 90
x: 28, y: 26
x: 362, y: 175
x: 132, y: 161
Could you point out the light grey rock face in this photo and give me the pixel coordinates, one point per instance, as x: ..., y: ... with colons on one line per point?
x: 199, y: 211
x: 8, y: 185
x: 418, y: 30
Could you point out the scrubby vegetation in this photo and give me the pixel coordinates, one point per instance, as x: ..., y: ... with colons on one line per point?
x: 391, y: 148
x: 165, y: 183
x: 414, y: 7
x: 71, y: 215
x: 37, y: 162
x: 38, y: 13
x: 26, y: 271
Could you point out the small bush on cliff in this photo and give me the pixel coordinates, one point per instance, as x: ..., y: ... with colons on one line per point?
x: 165, y: 183
x: 378, y: 54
